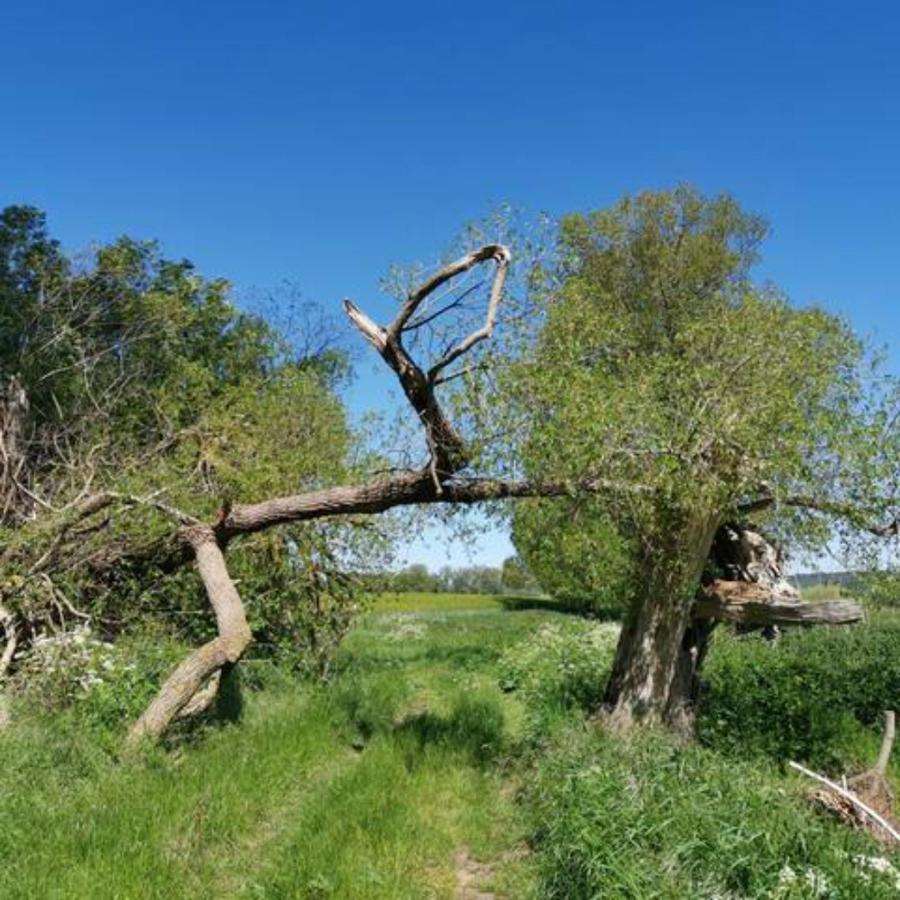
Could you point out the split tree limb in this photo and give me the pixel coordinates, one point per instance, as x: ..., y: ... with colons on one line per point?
x: 752, y: 604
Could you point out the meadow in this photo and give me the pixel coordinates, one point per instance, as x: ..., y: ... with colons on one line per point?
x: 455, y: 755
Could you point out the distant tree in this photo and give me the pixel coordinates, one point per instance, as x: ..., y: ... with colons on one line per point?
x: 414, y: 578
x: 516, y: 577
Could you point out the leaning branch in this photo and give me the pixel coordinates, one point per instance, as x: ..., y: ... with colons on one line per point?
x: 205, y: 662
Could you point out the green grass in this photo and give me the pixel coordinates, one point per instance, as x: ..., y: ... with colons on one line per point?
x: 367, y: 789
x: 429, y: 602
x: 415, y: 755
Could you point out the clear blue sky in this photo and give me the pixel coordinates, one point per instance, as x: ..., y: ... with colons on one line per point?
x: 318, y: 142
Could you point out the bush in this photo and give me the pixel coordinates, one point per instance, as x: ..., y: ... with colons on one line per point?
x: 802, y: 697
x: 560, y: 666
x: 104, y: 684
x: 643, y: 817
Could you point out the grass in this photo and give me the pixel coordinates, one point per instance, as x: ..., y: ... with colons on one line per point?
x: 413, y: 759
x: 367, y: 789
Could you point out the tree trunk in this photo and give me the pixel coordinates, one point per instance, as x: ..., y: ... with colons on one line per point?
x: 742, y: 556
x: 664, y: 640
x: 648, y: 656
x: 206, y: 662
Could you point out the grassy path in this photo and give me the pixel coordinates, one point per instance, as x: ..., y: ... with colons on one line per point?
x: 380, y: 787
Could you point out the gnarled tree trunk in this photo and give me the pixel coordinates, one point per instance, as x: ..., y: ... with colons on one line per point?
x: 647, y: 656
x: 665, y: 637
x: 182, y: 690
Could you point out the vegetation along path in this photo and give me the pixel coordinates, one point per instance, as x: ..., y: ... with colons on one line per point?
x: 382, y: 785
x: 452, y: 756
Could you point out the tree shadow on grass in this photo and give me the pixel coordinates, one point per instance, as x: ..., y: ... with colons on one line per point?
x: 583, y: 610
x: 474, y: 727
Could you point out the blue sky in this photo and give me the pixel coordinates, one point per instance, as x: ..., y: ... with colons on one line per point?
x: 319, y: 142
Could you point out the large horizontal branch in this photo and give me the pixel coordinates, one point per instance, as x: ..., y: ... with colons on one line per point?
x: 752, y: 604
x: 861, y: 517
x: 406, y: 489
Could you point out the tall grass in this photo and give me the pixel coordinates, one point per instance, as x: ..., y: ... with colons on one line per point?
x: 445, y: 730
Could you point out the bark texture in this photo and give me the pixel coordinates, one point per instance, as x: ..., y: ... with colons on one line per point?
x: 206, y: 662
x: 644, y: 670
x: 664, y: 641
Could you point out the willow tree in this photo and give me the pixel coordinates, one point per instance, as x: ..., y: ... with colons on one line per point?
x: 661, y: 365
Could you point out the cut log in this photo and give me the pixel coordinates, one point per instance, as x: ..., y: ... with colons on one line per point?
x: 754, y: 604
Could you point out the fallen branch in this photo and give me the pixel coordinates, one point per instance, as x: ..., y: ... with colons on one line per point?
x: 850, y: 797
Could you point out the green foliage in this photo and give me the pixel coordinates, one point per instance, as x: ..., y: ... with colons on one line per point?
x: 576, y: 552
x: 371, y: 785
x: 142, y: 377
x: 881, y: 589
x: 106, y: 684
x: 562, y: 665
x: 659, y: 364
x: 804, y: 697
x: 516, y: 577
x: 415, y: 578
x: 643, y: 817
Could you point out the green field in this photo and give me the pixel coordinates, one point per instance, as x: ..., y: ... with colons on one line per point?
x: 435, y: 765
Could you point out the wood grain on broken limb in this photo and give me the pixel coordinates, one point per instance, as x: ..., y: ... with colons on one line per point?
x: 751, y: 604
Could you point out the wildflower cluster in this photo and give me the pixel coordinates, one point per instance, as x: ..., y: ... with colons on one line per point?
x: 562, y: 664
x: 60, y: 669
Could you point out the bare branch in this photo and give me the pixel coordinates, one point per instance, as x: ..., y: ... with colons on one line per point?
x: 502, y: 257
x: 463, y: 264
x: 447, y: 450
x: 856, y: 515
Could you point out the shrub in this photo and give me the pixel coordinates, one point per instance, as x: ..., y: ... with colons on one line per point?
x: 560, y: 666
x: 643, y: 817
x: 105, y: 684
x: 802, y: 697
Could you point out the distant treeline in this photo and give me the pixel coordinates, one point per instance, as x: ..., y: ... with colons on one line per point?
x: 511, y: 577
x: 814, y: 579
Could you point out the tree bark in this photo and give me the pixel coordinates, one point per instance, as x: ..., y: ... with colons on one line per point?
x: 640, y: 688
x: 207, y: 661
x: 744, y: 603
x: 665, y: 638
